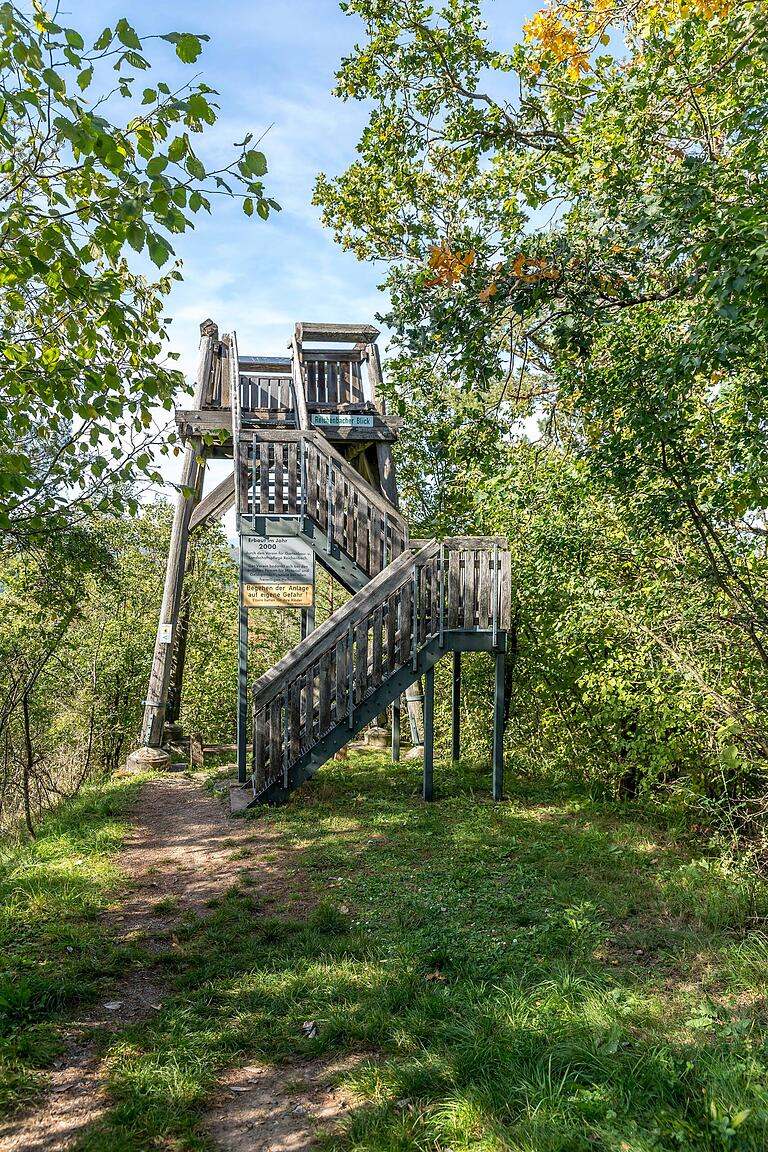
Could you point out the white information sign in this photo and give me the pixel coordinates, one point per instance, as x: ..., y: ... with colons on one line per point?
x: 278, y: 572
x: 341, y: 420
x: 165, y: 633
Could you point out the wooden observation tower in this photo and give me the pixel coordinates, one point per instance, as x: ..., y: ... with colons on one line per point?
x: 313, y: 481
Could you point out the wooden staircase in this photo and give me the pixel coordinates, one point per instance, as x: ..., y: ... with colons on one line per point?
x: 310, y: 441
x: 434, y: 598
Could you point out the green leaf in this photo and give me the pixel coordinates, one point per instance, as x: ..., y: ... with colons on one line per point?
x: 195, y: 167
x: 188, y: 47
x: 256, y: 162
x: 157, y: 165
x: 159, y: 250
x: 248, y: 206
x: 126, y: 34
x: 104, y: 40
x: 150, y: 96
x: 84, y: 79
x: 177, y: 148
x: 74, y: 39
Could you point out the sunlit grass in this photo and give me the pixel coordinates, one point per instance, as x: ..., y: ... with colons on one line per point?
x: 53, y: 951
x: 557, y: 973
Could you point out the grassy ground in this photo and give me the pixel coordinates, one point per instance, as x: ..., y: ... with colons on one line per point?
x: 53, y: 953
x: 551, y: 974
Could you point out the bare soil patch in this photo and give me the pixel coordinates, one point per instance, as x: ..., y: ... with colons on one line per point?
x: 183, y: 850
x: 281, y: 1109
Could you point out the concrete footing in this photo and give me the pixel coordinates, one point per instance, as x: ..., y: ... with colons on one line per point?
x: 148, y: 760
x: 376, y: 737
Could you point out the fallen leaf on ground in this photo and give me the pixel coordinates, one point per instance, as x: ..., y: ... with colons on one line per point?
x: 113, y: 1005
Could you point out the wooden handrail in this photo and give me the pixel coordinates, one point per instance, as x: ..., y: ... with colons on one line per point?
x: 306, y: 652
x: 437, y: 586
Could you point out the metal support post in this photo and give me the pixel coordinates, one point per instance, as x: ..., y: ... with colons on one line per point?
x: 498, y: 728
x: 396, y: 731
x: 429, y: 731
x: 242, y: 689
x: 307, y: 621
x: 456, y: 708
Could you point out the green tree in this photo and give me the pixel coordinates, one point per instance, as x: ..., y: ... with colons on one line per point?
x: 83, y: 191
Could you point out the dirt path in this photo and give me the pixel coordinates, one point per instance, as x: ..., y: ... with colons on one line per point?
x: 177, y: 857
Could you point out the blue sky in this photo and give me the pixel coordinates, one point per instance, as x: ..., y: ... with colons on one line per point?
x: 272, y: 64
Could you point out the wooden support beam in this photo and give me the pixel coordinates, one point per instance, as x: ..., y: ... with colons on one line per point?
x: 191, y: 478
x: 216, y: 504
x: 456, y: 708
x: 336, y: 333
x: 429, y: 732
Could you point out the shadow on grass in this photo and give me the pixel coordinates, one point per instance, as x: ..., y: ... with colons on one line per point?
x: 537, y: 975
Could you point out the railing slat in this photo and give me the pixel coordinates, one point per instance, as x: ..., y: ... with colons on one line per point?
x: 470, y: 586
x: 264, y: 479
x: 279, y: 503
x: 376, y: 665
x: 293, y: 503
x: 484, y: 591
x: 454, y: 588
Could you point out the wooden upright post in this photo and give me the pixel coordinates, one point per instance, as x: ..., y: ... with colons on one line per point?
x: 191, y: 485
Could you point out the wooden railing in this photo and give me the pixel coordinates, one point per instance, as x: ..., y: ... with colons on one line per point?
x: 301, y: 474
x: 333, y: 378
x: 461, y: 583
x: 266, y: 393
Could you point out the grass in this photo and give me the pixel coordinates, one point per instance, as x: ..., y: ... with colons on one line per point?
x: 54, y: 954
x: 551, y: 974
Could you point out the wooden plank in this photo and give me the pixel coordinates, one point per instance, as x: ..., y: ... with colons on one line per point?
x: 361, y: 531
x: 294, y: 721
x: 292, y: 466
x: 434, y: 597
x: 311, y: 458
x: 342, y: 677
x: 279, y: 479
x: 339, y: 527
x: 470, y: 585
x: 324, y: 688
x: 484, y: 589
x: 454, y: 588
x: 336, y: 333
x: 330, y: 630
x: 391, y: 645
x: 376, y: 661
x: 259, y: 748
x: 299, y: 393
x: 216, y: 504
x: 505, y: 577
x: 361, y: 659
x: 275, y: 740
x: 264, y: 479
x: 322, y: 492
x: 377, y: 542
x: 406, y: 625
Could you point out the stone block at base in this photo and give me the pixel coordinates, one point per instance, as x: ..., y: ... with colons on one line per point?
x: 148, y: 760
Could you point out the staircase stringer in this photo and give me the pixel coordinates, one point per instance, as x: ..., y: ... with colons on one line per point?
x: 368, y: 709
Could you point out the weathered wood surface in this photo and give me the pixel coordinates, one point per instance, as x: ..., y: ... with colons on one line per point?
x: 216, y: 504
x: 191, y: 479
x: 336, y: 333
x: 429, y: 587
